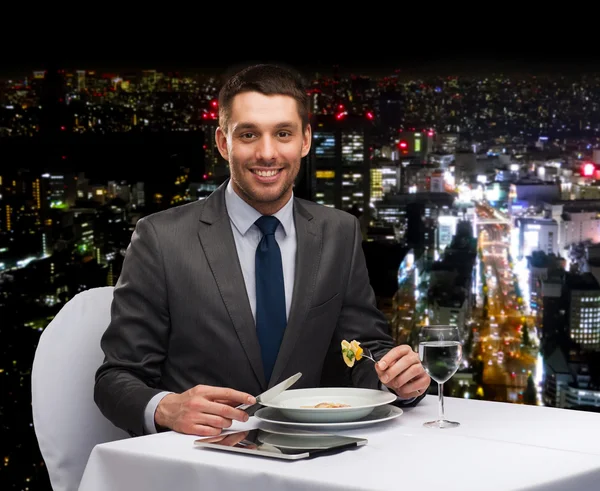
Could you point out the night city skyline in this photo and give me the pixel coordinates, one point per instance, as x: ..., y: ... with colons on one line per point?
x: 478, y: 194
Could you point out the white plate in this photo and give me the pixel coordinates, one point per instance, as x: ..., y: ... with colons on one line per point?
x: 298, y: 404
x: 378, y: 415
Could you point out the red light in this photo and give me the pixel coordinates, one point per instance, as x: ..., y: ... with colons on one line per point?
x: 62, y: 128
x: 430, y: 133
x: 339, y: 116
x: 589, y: 169
x: 205, y: 176
x: 403, y: 146
x: 214, y: 103
x: 369, y: 115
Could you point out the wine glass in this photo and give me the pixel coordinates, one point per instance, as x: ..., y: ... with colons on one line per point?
x: 440, y: 352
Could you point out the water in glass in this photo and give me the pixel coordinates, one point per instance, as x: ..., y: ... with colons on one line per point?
x: 440, y: 351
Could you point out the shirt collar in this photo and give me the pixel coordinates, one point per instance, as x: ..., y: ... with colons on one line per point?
x: 243, y: 215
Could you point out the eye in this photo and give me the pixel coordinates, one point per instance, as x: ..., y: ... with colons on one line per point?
x: 284, y: 134
x: 247, y: 136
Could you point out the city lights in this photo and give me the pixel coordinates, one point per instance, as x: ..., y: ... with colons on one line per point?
x: 478, y: 200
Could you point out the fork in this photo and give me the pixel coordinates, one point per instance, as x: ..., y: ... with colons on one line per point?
x: 369, y: 355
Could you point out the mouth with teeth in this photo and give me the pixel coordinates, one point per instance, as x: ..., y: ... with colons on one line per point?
x: 266, y: 175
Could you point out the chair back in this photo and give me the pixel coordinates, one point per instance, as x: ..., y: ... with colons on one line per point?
x: 66, y: 420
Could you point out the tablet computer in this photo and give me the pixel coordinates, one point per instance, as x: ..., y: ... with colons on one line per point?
x: 280, y: 445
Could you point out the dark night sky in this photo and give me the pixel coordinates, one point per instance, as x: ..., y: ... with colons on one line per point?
x: 378, y: 58
x: 442, y: 42
x: 438, y: 43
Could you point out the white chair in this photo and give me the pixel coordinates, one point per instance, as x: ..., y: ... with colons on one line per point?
x: 67, y: 422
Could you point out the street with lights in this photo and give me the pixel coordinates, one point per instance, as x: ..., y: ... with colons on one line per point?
x: 506, y: 353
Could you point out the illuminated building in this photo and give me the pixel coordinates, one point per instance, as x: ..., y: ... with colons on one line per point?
x: 149, y: 80
x: 571, y: 341
x: 405, y: 301
x: 578, y: 221
x: 338, y: 165
x: 419, y: 143
x: 8, y: 218
x: 583, y: 292
x: 81, y: 80
x: 531, y: 192
x: 446, y: 142
x: 537, y: 234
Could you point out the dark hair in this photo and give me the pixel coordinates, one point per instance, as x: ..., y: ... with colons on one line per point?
x: 267, y: 79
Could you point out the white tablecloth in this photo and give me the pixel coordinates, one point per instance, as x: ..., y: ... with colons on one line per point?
x: 499, y: 446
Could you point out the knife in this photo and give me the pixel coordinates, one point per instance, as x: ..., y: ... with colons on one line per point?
x: 269, y: 394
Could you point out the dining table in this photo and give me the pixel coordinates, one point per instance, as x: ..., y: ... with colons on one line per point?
x: 498, y: 446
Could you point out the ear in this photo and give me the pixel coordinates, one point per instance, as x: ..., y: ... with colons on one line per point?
x: 306, y: 140
x: 221, y: 139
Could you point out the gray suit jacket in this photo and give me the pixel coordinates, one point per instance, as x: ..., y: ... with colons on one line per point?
x: 181, y: 316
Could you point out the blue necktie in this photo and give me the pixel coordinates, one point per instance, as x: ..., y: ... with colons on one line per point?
x: 271, y: 317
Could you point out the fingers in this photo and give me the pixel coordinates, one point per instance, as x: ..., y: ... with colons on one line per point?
x: 392, y: 356
x: 229, y: 403
x: 401, y: 370
x: 395, y: 362
x: 222, y: 402
x: 223, y: 412
x: 203, y: 423
x: 205, y: 410
x: 404, y: 377
x: 415, y: 387
x: 236, y: 397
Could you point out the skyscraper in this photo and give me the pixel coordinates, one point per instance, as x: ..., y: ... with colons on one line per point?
x: 338, y: 169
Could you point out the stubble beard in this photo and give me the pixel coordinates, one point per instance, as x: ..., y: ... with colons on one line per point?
x: 256, y: 198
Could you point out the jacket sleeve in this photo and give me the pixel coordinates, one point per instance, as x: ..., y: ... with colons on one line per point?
x: 136, y: 339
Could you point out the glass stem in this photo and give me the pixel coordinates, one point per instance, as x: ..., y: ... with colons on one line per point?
x: 441, y: 402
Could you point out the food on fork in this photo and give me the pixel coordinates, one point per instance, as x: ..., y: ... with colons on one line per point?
x: 351, y: 352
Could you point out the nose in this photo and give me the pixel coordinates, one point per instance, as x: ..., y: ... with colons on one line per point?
x: 266, y: 150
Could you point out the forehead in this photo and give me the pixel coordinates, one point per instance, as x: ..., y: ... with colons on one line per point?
x: 254, y: 108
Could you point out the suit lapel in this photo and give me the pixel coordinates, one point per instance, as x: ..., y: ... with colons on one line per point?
x: 218, y: 243
x: 308, y: 256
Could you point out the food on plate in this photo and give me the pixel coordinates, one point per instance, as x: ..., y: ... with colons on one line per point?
x: 329, y: 405
x: 332, y: 404
x: 351, y: 352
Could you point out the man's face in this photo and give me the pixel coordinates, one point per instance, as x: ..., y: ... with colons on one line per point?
x: 264, y: 145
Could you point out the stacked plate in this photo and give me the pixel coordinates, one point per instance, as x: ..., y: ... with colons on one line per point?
x: 329, y: 407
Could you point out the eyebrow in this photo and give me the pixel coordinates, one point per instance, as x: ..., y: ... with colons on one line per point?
x: 250, y: 126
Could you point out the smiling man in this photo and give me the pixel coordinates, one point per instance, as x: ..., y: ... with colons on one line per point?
x: 263, y: 137
x: 222, y: 298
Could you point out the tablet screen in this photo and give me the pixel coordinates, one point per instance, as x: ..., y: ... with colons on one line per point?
x: 289, y: 446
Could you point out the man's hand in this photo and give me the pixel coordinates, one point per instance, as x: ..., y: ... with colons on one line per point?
x: 202, y: 410
x: 401, y: 371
